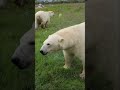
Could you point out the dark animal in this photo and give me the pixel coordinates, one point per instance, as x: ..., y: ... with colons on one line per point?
x: 24, y: 56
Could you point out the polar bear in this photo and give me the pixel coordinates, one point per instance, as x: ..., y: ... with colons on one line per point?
x: 43, y: 18
x: 71, y: 40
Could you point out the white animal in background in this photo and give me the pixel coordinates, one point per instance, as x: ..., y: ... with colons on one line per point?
x: 42, y: 18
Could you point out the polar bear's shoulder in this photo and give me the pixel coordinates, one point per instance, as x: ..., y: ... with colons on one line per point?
x: 73, y: 29
x: 80, y: 26
x: 40, y: 13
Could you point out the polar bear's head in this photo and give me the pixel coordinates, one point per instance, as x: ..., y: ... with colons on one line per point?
x: 51, y: 13
x: 51, y: 44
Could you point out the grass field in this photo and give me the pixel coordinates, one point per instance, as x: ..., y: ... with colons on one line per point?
x: 49, y: 71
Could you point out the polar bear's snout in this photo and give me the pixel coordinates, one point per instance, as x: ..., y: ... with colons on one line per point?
x: 44, y: 49
x: 43, y: 52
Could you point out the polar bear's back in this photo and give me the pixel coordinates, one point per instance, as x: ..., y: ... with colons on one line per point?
x: 73, y: 32
x: 42, y: 15
x: 73, y: 29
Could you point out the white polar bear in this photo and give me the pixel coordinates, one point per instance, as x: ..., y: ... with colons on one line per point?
x: 71, y: 40
x: 43, y: 18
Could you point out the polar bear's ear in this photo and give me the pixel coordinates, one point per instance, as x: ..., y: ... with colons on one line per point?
x: 61, y: 39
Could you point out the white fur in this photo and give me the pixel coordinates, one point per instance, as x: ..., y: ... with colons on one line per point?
x: 72, y: 41
x: 43, y: 18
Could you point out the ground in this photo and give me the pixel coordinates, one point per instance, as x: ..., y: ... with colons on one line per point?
x: 49, y: 71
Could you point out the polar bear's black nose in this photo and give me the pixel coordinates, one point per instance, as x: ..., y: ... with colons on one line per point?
x: 16, y: 60
x: 41, y: 51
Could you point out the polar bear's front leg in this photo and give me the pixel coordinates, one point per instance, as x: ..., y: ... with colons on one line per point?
x: 82, y: 75
x: 68, y: 59
x: 43, y: 25
x: 46, y: 24
x: 36, y: 24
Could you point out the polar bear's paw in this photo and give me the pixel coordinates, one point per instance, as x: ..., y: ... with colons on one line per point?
x: 82, y: 75
x: 66, y: 67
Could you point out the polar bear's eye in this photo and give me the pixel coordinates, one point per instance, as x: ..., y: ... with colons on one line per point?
x: 48, y: 44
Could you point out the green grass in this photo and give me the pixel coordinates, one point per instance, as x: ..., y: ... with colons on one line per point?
x: 49, y: 71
